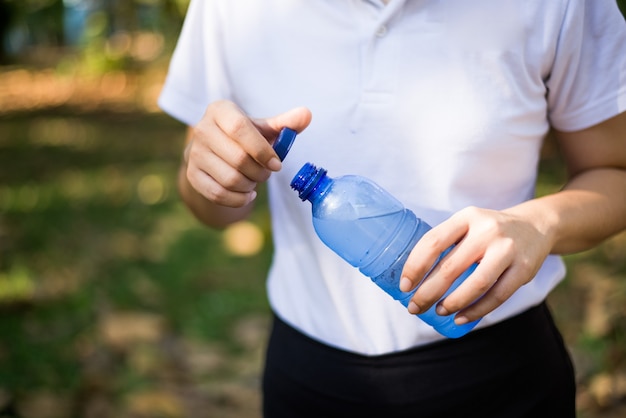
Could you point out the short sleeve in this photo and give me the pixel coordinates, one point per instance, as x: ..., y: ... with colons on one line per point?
x: 587, y: 81
x: 196, y: 74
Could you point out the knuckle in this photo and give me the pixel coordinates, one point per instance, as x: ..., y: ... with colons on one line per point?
x: 527, y: 268
x: 226, y: 198
x: 507, y: 246
x: 216, y: 194
x: 447, y: 268
x: 194, y: 176
x: 507, y: 249
x: 240, y: 158
x: 467, y: 212
x: 231, y: 181
x: 431, y: 242
x: 199, y: 129
x: 218, y: 106
x: 193, y: 154
x: 482, y: 284
x: 235, y: 125
x: 492, y: 226
x: 237, y: 182
x: 525, y: 264
x: 500, y: 296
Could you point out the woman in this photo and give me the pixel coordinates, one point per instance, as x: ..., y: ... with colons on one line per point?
x: 445, y: 105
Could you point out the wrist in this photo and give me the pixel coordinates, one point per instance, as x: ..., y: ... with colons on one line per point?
x: 542, y: 216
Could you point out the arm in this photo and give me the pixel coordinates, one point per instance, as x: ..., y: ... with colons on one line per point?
x: 512, y: 244
x: 226, y: 155
x: 596, y: 161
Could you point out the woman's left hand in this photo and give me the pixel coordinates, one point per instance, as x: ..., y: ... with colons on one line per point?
x: 508, y: 247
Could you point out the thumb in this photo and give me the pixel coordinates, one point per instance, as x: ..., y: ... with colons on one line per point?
x: 297, y: 119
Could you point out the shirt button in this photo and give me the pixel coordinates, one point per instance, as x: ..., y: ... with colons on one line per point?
x: 382, y: 31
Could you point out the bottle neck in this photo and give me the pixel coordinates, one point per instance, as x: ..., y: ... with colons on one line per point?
x: 310, y: 182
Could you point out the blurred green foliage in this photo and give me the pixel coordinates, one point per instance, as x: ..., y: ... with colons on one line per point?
x: 90, y: 228
x: 100, y: 31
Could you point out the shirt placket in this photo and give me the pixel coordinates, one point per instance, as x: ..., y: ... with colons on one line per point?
x: 379, y: 53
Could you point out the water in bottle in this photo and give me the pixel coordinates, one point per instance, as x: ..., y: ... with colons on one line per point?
x: 372, y: 231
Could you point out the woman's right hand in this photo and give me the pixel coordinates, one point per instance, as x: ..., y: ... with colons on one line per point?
x: 228, y: 153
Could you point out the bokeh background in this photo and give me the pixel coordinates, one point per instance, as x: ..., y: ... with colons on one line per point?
x: 114, y: 301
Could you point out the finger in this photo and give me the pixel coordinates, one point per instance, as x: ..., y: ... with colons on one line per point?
x: 472, y: 287
x: 444, y: 275
x: 232, y: 153
x: 427, y: 251
x: 297, y: 119
x: 211, y: 189
x: 237, y: 125
x: 227, y: 176
x: 501, y: 291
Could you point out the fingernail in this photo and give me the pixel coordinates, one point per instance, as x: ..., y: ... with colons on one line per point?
x: 441, y: 311
x: 413, y: 308
x: 274, y: 164
x: 252, y: 196
x: 461, y: 320
x: 405, y: 284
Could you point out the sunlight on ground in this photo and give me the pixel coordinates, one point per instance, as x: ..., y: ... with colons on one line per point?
x: 243, y: 239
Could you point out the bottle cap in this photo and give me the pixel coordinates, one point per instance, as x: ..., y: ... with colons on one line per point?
x: 283, y: 143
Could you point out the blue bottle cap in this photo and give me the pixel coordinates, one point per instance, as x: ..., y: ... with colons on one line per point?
x: 283, y: 143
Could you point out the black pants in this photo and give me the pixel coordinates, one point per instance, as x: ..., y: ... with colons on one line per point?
x: 517, y: 368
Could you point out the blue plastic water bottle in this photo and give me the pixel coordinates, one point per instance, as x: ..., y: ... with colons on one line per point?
x: 372, y: 231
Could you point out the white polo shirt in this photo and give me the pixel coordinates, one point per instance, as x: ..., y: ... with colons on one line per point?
x: 443, y: 103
